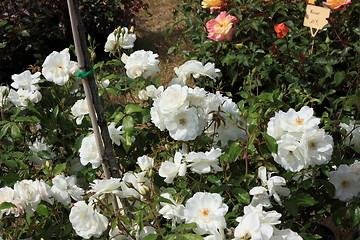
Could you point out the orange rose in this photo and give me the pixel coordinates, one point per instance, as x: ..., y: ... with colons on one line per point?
x: 214, y: 4
x: 281, y: 30
x: 337, y: 4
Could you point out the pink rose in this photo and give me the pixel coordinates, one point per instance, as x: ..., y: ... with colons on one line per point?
x: 221, y: 28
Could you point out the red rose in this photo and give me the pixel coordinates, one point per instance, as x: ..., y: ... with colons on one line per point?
x: 281, y: 30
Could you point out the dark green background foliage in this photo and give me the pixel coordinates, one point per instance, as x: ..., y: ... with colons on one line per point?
x: 30, y: 30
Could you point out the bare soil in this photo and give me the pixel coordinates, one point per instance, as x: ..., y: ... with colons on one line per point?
x: 150, y: 27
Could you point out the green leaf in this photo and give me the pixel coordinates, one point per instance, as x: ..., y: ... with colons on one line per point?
x: 118, y: 117
x: 15, y: 132
x: 164, y: 200
x: 215, y: 180
x: 354, y: 214
x: 44, y: 155
x: 131, y: 108
x: 42, y: 210
x: 184, y: 226
x: 338, y: 78
x: 270, y: 143
x: 59, y: 168
x: 27, y: 119
x: 5, y: 129
x: 233, y: 153
x: 242, y: 195
x: 150, y: 237
x: 11, y: 164
x: 192, y: 236
x: 304, y: 199
x: 6, y: 205
x: 128, y: 124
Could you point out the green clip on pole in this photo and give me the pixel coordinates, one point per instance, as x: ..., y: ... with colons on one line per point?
x: 84, y: 74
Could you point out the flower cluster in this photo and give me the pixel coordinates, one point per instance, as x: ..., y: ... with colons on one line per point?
x: 188, y: 112
x: 27, y: 89
x: 346, y: 181
x: 26, y: 195
x: 300, y: 141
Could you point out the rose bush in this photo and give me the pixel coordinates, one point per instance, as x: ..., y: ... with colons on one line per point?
x: 255, y: 148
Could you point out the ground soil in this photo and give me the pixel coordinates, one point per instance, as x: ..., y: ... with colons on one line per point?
x: 150, y: 27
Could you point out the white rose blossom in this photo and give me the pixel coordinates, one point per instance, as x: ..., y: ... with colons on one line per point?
x: 6, y: 195
x: 256, y: 223
x: 58, y: 68
x: 173, y: 211
x: 196, y: 69
x: 145, y: 162
x: 104, y: 186
x: 26, y: 192
x: 207, y: 210
x: 346, y: 182
x: 119, y: 38
x: 89, y: 152
x: 200, y: 162
x: 87, y: 221
x: 79, y: 110
x: 134, y: 185
x: 116, y: 133
x: 285, y: 234
x: 170, y: 169
x: 26, y: 81
x: 65, y: 188
x: 140, y: 63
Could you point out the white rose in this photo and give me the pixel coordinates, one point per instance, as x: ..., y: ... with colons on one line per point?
x: 120, y: 38
x: 87, y: 221
x: 79, y: 110
x: 26, y: 80
x: 57, y: 67
x: 145, y: 162
x: 169, y: 170
x: 65, y: 188
x: 26, y: 191
x: 89, y: 152
x: 140, y: 63
x: 105, y: 186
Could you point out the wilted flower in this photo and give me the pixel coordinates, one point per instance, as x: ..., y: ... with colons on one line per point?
x: 207, y: 210
x: 57, y: 67
x: 120, y: 38
x: 65, y: 188
x: 79, y: 110
x: 214, y: 4
x: 87, y: 221
x: 221, y: 28
x: 140, y: 63
x: 337, y: 4
x: 281, y: 30
x: 346, y: 182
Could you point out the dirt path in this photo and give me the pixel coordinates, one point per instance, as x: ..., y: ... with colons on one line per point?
x: 150, y: 35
